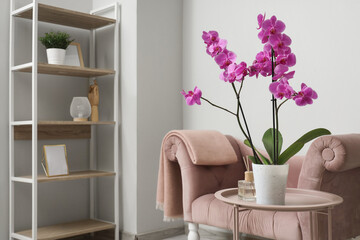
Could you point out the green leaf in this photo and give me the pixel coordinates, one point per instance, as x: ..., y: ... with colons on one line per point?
x: 56, y: 40
x: 264, y: 159
x: 268, y: 141
x: 252, y: 158
x: 299, y: 144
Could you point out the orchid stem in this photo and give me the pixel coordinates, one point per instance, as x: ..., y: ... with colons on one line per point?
x: 212, y: 104
x: 275, y: 115
x: 248, y: 137
x: 241, y: 85
x: 282, y: 104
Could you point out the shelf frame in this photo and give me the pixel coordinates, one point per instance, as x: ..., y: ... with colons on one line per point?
x: 34, y: 113
x: 44, y: 13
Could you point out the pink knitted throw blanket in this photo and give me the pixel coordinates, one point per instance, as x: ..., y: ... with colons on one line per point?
x: 203, y: 149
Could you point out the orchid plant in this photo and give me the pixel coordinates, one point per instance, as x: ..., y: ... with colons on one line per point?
x: 274, y: 60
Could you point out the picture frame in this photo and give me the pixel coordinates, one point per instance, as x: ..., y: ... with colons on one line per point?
x: 73, y: 56
x: 55, y: 162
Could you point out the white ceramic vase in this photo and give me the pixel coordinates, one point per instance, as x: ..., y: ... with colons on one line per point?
x: 270, y: 183
x: 56, y: 56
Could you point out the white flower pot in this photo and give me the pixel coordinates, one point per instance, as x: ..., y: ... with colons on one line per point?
x: 56, y: 56
x: 270, y: 183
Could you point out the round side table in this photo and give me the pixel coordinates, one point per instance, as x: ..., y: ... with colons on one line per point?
x: 296, y: 200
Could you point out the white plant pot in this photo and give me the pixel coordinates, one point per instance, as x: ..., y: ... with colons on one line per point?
x: 56, y: 56
x: 270, y: 183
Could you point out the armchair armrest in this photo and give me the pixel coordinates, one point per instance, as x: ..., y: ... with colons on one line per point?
x: 198, y: 180
x: 332, y: 164
x: 330, y: 154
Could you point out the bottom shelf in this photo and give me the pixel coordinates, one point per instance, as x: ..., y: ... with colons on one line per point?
x: 69, y: 229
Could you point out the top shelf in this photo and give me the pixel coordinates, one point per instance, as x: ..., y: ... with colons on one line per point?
x: 66, y: 17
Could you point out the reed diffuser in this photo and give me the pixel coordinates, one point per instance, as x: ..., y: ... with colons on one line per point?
x: 246, y: 188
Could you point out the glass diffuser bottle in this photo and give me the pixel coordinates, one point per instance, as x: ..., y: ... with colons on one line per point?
x: 246, y: 188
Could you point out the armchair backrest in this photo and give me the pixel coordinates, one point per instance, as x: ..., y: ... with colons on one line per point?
x: 200, y: 180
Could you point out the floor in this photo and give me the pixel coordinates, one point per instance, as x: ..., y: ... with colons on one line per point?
x: 205, y: 235
x: 210, y: 235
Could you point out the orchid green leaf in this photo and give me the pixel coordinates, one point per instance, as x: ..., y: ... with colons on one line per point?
x: 264, y: 159
x: 299, y: 144
x: 268, y: 141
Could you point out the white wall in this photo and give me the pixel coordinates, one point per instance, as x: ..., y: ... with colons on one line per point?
x: 159, y: 71
x: 128, y: 112
x: 4, y: 120
x: 150, y: 76
x: 325, y: 41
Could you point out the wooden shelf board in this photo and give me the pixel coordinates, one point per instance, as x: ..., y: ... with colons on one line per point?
x: 75, y: 123
x: 58, y: 130
x: 74, y: 176
x: 24, y: 132
x: 65, y: 70
x: 71, y: 229
x: 67, y: 17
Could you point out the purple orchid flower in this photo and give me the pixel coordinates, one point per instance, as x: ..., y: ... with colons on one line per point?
x: 281, y: 89
x: 262, y: 65
x: 289, y: 75
x: 254, y: 69
x: 210, y: 37
x: 280, y: 43
x: 269, y: 27
x: 192, y: 97
x: 263, y: 36
x: 225, y: 58
x: 305, y: 96
x: 280, y: 71
x: 287, y: 60
x: 261, y: 19
x: 273, y: 26
x: 234, y: 73
x: 263, y: 57
x: 216, y: 48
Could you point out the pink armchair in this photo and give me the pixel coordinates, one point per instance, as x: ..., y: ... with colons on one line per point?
x: 332, y: 164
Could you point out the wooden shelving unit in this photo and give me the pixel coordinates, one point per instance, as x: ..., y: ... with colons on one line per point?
x: 64, y: 70
x: 35, y: 130
x: 68, y: 229
x: 73, y: 176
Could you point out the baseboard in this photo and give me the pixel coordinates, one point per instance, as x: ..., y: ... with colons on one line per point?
x: 109, y: 235
x: 166, y: 233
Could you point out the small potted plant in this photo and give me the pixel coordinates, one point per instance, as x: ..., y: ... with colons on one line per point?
x: 56, y: 44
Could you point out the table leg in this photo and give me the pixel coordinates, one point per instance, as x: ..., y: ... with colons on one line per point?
x: 329, y: 224
x: 236, y: 223
x: 311, y: 226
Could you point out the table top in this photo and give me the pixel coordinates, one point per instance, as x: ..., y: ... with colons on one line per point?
x: 296, y: 200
